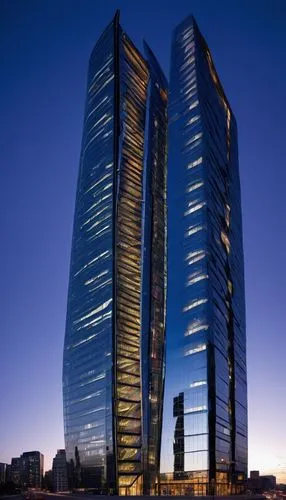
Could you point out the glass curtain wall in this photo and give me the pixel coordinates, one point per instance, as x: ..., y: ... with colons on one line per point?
x: 206, y: 359
x: 113, y: 375
x: 88, y: 350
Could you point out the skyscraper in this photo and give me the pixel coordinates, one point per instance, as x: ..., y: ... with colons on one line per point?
x: 32, y: 469
x: 206, y: 383
x: 113, y: 371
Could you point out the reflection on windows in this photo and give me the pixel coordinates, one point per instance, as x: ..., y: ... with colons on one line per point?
x: 196, y: 409
x: 196, y: 349
x: 196, y: 461
x: 195, y: 186
x: 204, y: 188
x: 195, y: 208
x: 196, y: 326
x: 194, y: 105
x: 194, y: 278
x: 193, y: 119
x: 195, y: 303
x: 195, y: 229
x: 198, y: 383
x: 195, y: 163
x: 195, y: 256
x: 109, y: 396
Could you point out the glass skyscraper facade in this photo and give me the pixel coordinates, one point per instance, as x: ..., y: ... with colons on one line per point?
x: 204, y: 445
x: 113, y: 368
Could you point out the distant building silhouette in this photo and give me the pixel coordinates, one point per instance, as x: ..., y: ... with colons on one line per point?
x: 254, y: 474
x: 60, y: 472
x: 259, y: 484
x: 8, y: 473
x: 27, y: 470
x: 16, y: 473
x: 48, y: 480
x: 179, y: 437
x: 32, y: 469
x: 3, y: 468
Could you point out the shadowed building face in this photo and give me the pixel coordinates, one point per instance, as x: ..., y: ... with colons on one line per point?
x: 113, y: 372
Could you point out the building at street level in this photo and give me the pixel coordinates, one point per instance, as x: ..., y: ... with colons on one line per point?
x: 32, y: 469
x: 3, y: 468
x: 27, y: 470
x: 204, y: 448
x: 113, y: 368
x: 60, y: 472
x: 16, y: 471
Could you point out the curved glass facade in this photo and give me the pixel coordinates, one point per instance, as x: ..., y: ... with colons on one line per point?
x: 206, y: 358
x: 113, y: 370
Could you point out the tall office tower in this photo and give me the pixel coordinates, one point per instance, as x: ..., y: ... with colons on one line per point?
x: 206, y: 357
x: 60, y: 471
x: 16, y: 471
x: 32, y: 469
x: 113, y: 371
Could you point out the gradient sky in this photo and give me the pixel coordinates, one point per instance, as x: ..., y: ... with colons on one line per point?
x: 44, y: 50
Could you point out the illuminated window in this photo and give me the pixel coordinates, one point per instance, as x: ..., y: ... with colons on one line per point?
x: 195, y: 163
x: 196, y: 349
x: 99, y: 201
x: 188, y: 61
x: 189, y: 47
x: 187, y: 33
x: 198, y: 383
x: 105, y: 119
x: 196, y: 277
x: 196, y: 409
x: 105, y: 99
x: 190, y: 92
x: 100, y: 256
x: 107, y: 216
x: 91, y: 280
x: 102, y: 306
x: 194, y: 304
x: 193, y: 120
x: 194, y: 229
x: 194, y: 105
x: 195, y: 256
x: 195, y: 186
x: 102, y: 179
x: 94, y: 379
x: 194, y: 139
x: 195, y: 208
x: 99, y: 319
x: 195, y: 327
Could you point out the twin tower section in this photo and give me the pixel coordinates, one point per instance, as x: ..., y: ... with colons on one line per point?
x: 115, y: 336
x: 114, y: 352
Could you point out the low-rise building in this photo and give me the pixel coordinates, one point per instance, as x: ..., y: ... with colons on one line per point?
x: 259, y: 484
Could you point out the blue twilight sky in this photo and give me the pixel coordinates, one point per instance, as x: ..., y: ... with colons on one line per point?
x: 44, y: 50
